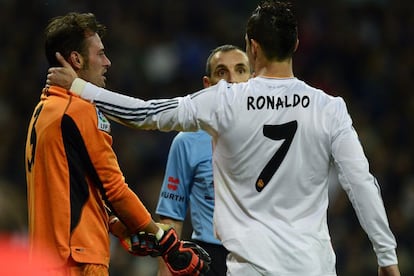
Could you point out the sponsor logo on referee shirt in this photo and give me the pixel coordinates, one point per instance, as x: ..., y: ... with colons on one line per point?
x: 173, y: 183
x: 172, y: 186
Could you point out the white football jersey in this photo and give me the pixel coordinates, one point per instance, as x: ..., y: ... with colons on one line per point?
x: 276, y: 142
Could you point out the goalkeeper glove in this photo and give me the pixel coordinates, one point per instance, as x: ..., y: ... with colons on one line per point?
x: 181, y: 257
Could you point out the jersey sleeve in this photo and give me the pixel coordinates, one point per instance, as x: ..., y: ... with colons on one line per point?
x: 105, y: 171
x: 360, y: 185
x: 206, y: 109
x: 162, y: 114
x: 175, y: 191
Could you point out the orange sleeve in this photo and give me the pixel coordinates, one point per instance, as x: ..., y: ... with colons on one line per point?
x: 115, y: 191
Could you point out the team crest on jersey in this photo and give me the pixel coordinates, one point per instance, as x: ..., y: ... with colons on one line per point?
x: 103, y: 122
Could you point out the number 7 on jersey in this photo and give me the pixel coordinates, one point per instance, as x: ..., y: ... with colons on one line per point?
x: 284, y: 132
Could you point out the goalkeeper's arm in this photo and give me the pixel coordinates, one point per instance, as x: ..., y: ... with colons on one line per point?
x: 121, y: 231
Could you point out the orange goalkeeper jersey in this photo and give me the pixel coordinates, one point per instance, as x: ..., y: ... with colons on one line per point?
x: 72, y: 173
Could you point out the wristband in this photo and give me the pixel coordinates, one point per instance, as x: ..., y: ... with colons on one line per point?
x: 159, y: 234
x: 77, y: 86
x: 113, y: 220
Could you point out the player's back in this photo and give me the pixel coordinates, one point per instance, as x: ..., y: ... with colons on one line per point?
x: 274, y: 157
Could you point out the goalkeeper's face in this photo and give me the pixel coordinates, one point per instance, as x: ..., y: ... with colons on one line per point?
x: 96, y: 64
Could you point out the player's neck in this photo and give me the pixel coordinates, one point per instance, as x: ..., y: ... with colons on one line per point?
x: 275, y: 70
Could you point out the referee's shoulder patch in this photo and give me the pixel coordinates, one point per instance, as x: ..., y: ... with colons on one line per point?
x: 103, y: 122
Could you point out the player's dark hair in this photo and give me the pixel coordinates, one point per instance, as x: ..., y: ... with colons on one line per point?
x: 273, y: 25
x: 223, y: 48
x: 68, y: 33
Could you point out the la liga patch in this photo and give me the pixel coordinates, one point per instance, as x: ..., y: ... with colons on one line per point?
x: 103, y: 122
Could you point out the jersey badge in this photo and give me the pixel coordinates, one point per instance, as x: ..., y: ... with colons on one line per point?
x: 103, y: 122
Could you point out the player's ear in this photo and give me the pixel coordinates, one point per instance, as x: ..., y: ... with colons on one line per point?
x: 254, y: 48
x: 206, y: 82
x: 296, y: 45
x: 76, y: 60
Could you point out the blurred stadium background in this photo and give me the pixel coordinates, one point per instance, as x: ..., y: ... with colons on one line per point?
x: 361, y: 50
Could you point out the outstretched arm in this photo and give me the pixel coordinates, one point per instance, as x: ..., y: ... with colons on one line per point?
x: 178, y: 113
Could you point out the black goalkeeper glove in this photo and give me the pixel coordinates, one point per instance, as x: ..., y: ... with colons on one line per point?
x: 181, y: 257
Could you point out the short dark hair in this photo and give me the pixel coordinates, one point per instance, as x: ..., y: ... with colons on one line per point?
x: 273, y: 25
x: 222, y: 48
x: 67, y: 33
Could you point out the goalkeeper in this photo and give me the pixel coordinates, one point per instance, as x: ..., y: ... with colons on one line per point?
x: 73, y: 174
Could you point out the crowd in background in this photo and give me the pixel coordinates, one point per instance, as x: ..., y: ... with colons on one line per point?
x: 360, y: 50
